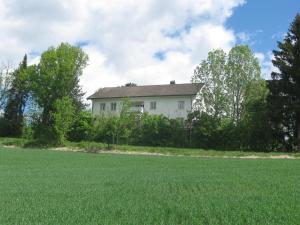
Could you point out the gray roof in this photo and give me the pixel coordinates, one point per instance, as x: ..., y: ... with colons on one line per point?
x: 189, y: 89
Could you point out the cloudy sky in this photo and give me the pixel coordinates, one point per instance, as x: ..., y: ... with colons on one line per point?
x: 142, y: 41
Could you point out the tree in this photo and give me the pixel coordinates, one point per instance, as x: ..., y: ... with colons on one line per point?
x: 55, y: 77
x: 124, y: 122
x: 130, y: 84
x: 256, y: 133
x: 204, y: 129
x: 81, y: 127
x: 284, y: 99
x: 241, y: 69
x: 5, y: 81
x: 17, y: 97
x: 225, y: 81
x: 63, y: 117
x: 211, y: 72
x: 105, y: 129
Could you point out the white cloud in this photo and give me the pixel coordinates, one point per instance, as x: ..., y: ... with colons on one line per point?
x: 122, y: 35
x: 243, y: 36
x: 265, y: 61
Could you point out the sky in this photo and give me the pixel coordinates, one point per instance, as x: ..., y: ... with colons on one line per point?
x: 142, y: 41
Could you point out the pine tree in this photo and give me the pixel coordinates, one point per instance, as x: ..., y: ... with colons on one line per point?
x: 17, y: 97
x: 284, y: 99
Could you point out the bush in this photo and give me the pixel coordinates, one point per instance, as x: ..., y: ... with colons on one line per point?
x: 10, y: 128
x: 105, y: 130
x: 158, y: 130
x: 81, y: 127
x: 204, y: 131
x: 13, y: 142
x: 63, y: 118
x: 90, y: 147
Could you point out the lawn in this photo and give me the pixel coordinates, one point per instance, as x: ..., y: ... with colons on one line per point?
x: 51, y: 187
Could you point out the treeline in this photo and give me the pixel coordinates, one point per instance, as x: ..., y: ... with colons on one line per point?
x: 199, y: 130
x: 236, y: 108
x: 42, y: 99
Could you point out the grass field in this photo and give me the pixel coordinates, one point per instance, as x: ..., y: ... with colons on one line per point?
x: 50, y: 187
x: 95, y: 146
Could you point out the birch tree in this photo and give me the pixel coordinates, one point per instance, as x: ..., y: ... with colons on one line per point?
x: 5, y: 81
x: 242, y: 68
x: 211, y: 72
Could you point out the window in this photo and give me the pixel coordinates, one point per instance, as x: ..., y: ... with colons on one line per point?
x: 102, y: 106
x: 152, y: 105
x: 180, y: 104
x: 113, y: 106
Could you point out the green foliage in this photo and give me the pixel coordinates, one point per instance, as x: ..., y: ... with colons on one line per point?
x: 204, y: 129
x: 63, y: 117
x: 17, y: 97
x: 5, y: 83
x: 115, y: 129
x: 234, y: 112
x: 55, y: 79
x: 87, y: 146
x: 211, y: 72
x: 81, y: 127
x: 105, y: 129
x: 13, y: 142
x: 242, y: 68
x: 225, y: 79
x: 284, y: 99
x: 57, y: 76
x: 158, y: 130
x: 27, y: 132
x: 255, y: 124
x: 139, y: 129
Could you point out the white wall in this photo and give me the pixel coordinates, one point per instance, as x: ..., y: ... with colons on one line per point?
x: 168, y: 106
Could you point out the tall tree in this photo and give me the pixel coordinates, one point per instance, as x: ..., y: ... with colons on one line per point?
x: 5, y: 82
x: 255, y: 126
x: 57, y: 76
x: 284, y: 99
x: 242, y: 68
x: 16, y: 100
x: 211, y: 72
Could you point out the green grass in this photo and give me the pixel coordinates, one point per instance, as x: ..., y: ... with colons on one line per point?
x: 95, y: 146
x: 50, y: 187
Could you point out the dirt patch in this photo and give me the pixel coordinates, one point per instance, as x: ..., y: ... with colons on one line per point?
x: 268, y: 157
x: 68, y: 149
x: 200, y: 156
x: 282, y: 157
x: 10, y: 146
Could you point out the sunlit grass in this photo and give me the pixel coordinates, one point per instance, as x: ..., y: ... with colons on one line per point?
x: 50, y: 187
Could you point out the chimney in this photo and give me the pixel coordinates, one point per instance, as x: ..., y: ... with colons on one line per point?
x: 172, y: 82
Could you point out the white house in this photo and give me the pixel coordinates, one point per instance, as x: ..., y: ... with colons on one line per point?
x: 171, y: 100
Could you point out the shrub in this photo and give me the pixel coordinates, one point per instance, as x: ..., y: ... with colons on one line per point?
x: 81, y: 127
x: 63, y: 118
x: 13, y: 142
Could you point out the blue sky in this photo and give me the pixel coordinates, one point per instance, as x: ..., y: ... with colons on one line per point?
x: 142, y: 41
x: 264, y: 21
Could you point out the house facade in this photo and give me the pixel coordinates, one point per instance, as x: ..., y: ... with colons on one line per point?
x: 171, y: 100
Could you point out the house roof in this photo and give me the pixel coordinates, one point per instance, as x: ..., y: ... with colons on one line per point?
x: 188, y: 89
